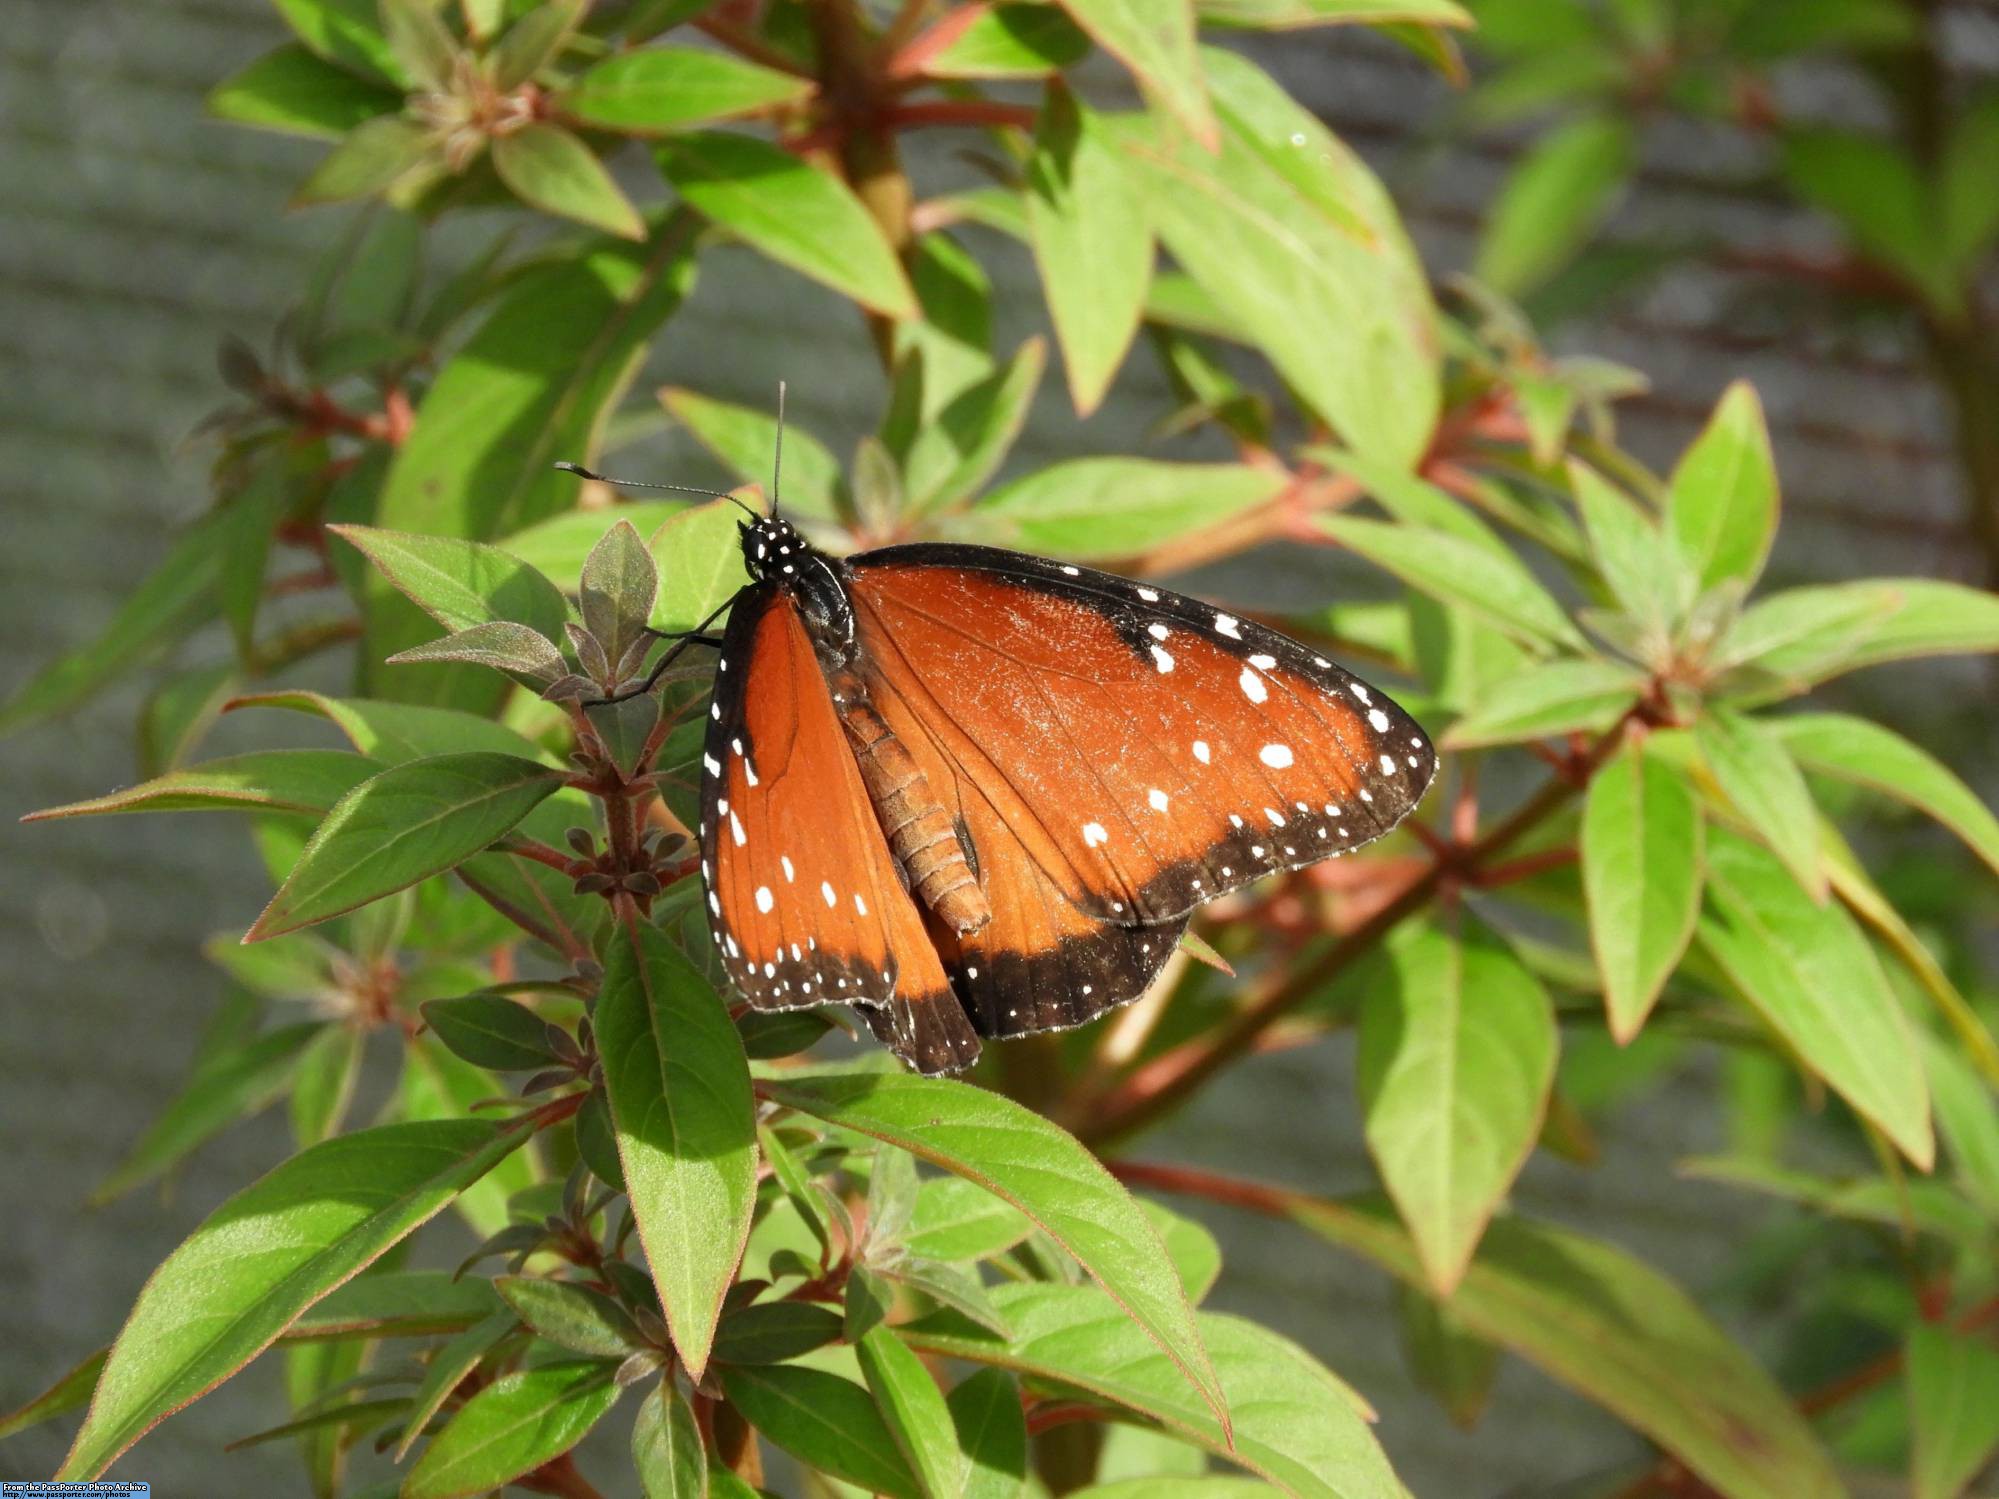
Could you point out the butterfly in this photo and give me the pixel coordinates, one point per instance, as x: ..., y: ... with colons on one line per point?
x: 976, y: 793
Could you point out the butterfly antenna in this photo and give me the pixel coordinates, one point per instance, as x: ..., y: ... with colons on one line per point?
x: 583, y: 473
x: 777, y: 462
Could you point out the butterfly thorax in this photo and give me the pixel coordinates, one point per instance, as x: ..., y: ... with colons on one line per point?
x: 774, y: 551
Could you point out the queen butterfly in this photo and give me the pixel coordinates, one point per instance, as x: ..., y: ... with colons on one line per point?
x: 973, y: 792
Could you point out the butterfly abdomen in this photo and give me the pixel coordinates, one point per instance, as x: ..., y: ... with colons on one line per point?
x: 921, y: 834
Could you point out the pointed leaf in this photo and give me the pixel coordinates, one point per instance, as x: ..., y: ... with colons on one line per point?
x: 513, y: 1426
x: 323, y: 1085
x: 266, y: 781
x: 965, y: 446
x: 1295, y: 1424
x: 700, y: 558
x: 370, y: 159
x: 1619, y: 1333
x: 660, y: 89
x: 66, y: 1394
x: 462, y: 583
x: 550, y: 169
x: 499, y: 643
x: 1019, y: 1156
x: 1119, y: 507
x: 292, y: 90
x: 1762, y: 782
x: 1457, y: 1054
x: 534, y: 41
x: 407, y: 823
x: 398, y: 1303
x: 1809, y: 971
x: 1722, y: 509
x: 490, y: 1030
x: 992, y: 1434
x: 1155, y: 39
x: 680, y: 1095
x: 1554, y: 200
x: 1648, y: 580
x: 914, y: 1411
x: 796, y: 214
x: 266, y: 1255
x: 447, y: 1370
x: 1455, y: 1366
x: 743, y: 440
x: 392, y: 733
x: 1952, y: 1377
x: 571, y: 1316
x: 1457, y: 571
x: 956, y: 1219
x: 1555, y: 697
x: 667, y: 1452
x: 1642, y: 844
x: 1004, y: 40
x: 824, y: 1421
x: 774, y: 1332
x: 620, y: 584
x: 347, y: 32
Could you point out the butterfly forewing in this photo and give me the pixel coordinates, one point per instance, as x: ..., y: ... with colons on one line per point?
x: 1149, y: 751
x: 803, y: 897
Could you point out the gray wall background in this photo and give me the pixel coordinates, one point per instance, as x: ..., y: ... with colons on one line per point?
x: 134, y: 232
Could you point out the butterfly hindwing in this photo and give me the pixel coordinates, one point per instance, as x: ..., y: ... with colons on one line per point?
x: 803, y: 897
x: 1148, y: 751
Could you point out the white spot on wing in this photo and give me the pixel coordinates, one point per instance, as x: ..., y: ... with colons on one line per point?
x: 736, y: 830
x: 1262, y: 663
x: 1162, y: 658
x: 1071, y: 571
x: 1227, y: 625
x: 749, y: 772
x: 826, y: 889
x: 711, y: 765
x: 1157, y: 798
x: 1252, y: 686
x: 1276, y: 756
x: 1379, y: 719
x: 764, y: 901
x: 790, y: 876
x: 1157, y: 631
x: 1276, y: 817
x: 1150, y: 595
x: 1093, y: 834
x: 1359, y: 691
x: 1387, y: 766
x: 1201, y: 750
x: 859, y: 904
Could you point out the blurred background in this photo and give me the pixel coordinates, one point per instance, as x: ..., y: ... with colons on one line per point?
x: 138, y: 233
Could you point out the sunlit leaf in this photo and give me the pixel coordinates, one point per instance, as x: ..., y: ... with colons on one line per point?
x: 1642, y: 859
x: 511, y: 1427
x: 266, y: 781
x: 1722, y: 505
x: 1155, y: 39
x: 826, y: 1422
x: 661, y: 89
x: 290, y: 89
x: 553, y: 170
x: 1556, y: 196
x: 1118, y: 507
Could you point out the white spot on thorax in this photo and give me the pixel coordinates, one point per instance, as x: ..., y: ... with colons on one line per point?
x: 1276, y: 756
x: 764, y: 901
x: 971, y: 973
x: 1093, y: 834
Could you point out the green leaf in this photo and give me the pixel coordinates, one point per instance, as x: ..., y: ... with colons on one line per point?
x: 1155, y: 39
x: 175, y: 597
x: 549, y: 168
x: 774, y: 1332
x: 961, y: 1290
x: 1021, y: 1157
x: 868, y: 1300
x: 1902, y: 1205
x: 797, y: 215
x: 1722, y: 505
x: 1642, y: 858
x: 1813, y: 976
x: 532, y: 42
x: 1952, y: 1376
x: 1092, y: 238
x: 1295, y: 1424
x: 461, y: 583
x: 1119, y: 507
x: 1267, y: 15
x: 1968, y: 213
x: 1879, y: 196
x: 661, y: 89
x: 743, y: 440
x: 965, y: 446
x: 1454, y: 1366
x: 1197, y: 1258
x: 680, y: 1093
x: 65, y: 1395
x: 513, y: 1426
x: 533, y: 385
x: 914, y: 1411
x: 266, y: 1255
x: 1804, y: 635
x: 1457, y: 1054
x: 323, y: 1085
x: 347, y: 32
x: 824, y: 1421
x: 370, y: 159
x: 1968, y: 1119
x: 1553, y: 201
x: 1006, y: 40
x: 224, y: 1086
x: 1864, y: 752
x: 499, y: 643
x: 700, y: 556
x: 1763, y: 783
x: 1302, y: 253
x: 292, y: 90
x: 266, y: 781
x: 1645, y: 577
x: 667, y: 1453
x: 398, y: 1303
x: 405, y: 824
x: 992, y: 1434
x: 490, y: 1030
x: 946, y: 351
x: 392, y: 733
x: 447, y: 1370
x: 956, y: 1219
x: 617, y: 591
x: 1618, y: 1333
x: 571, y: 1316
x: 1457, y: 571
x: 1553, y: 697
x: 557, y: 547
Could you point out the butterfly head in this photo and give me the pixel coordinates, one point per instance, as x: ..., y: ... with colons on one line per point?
x: 772, y: 547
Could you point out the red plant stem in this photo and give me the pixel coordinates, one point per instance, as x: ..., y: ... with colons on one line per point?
x: 1048, y: 1415
x: 745, y: 44
x: 541, y: 853
x: 1524, y: 868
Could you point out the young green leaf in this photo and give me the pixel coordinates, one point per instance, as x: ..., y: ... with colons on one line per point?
x: 824, y: 1421
x: 1155, y: 39
x: 960, y: 1290
x: 266, y: 1255
x: 1554, y: 200
x: 1454, y: 1365
x: 372, y: 158
x: 619, y: 586
x: 1762, y: 782
x: 956, y: 454
x: 1967, y: 1117
x: 1457, y: 1054
x: 292, y: 90
x: 559, y: 546
x: 661, y: 89
x: 1642, y: 842
x: 1455, y: 571
x: 700, y: 558
x: 1881, y: 195
x: 447, y: 1370
x: 774, y: 1332
x: 397, y: 1303
x: 1554, y: 697
x: 914, y: 1411
x: 490, y: 1030
x: 1287, y: 14
x: 868, y: 1300
x: 323, y: 1085
x: 1118, y: 507
x: 1805, y: 635
x: 1005, y: 40
x: 533, y: 41
x: 65, y: 1395
x: 391, y: 733
x: 1197, y: 1258
x: 1809, y: 971
x: 1722, y: 507
x: 945, y: 352
x: 1092, y: 237
x: 549, y: 168
x: 1868, y: 754
x: 667, y: 1452
x: 797, y: 215
x: 1019, y: 1156
x: 403, y: 825
x: 992, y: 1433
x: 571, y: 1316
x: 513, y: 1426
x: 1952, y: 1376
x: 462, y: 583
x: 956, y: 1219
x: 1648, y: 579
x: 680, y: 1094
x: 266, y: 781
x: 346, y: 32
x: 1617, y: 1332
x: 1296, y: 1424
x: 498, y: 643
x: 743, y: 439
